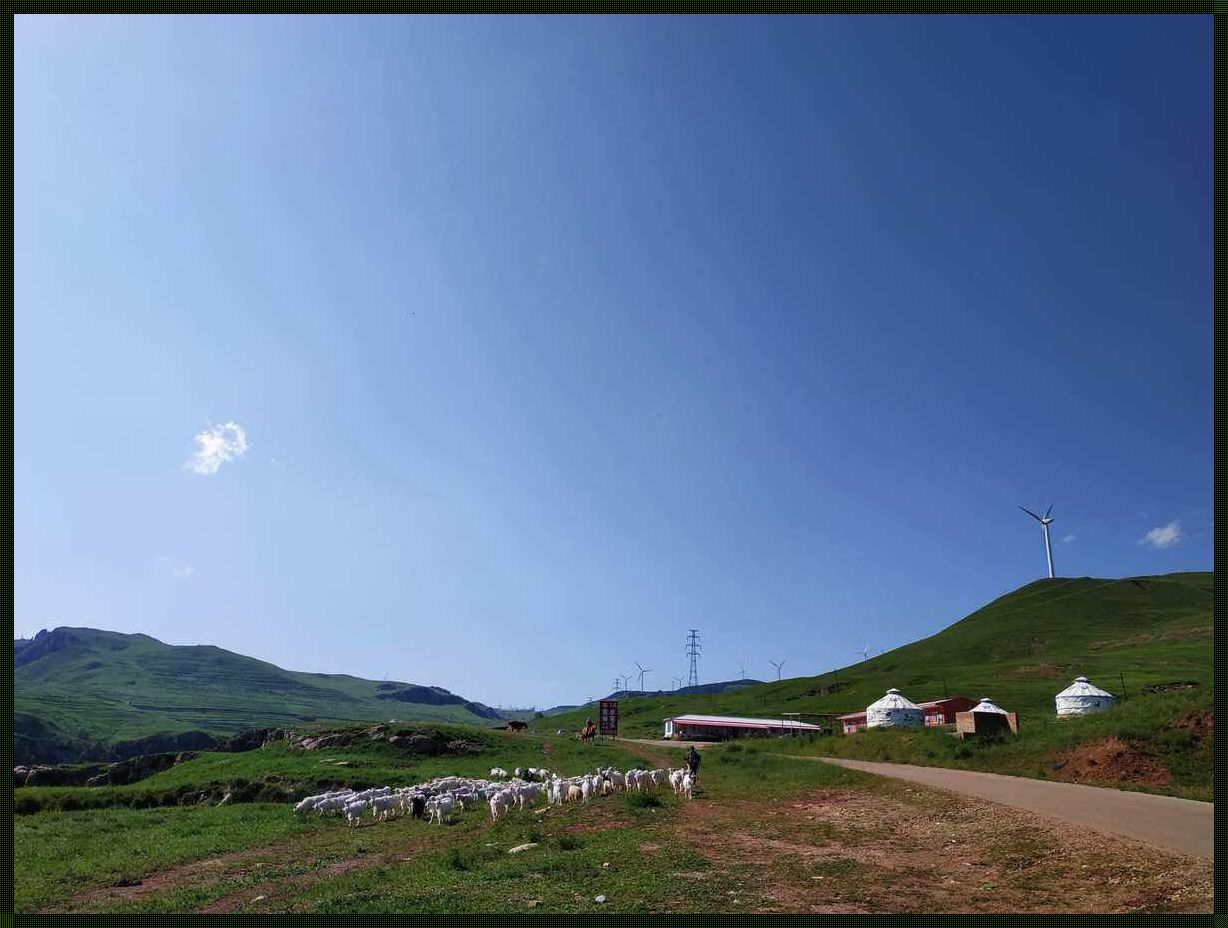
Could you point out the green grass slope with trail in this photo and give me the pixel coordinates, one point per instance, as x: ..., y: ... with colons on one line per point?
x: 81, y: 694
x: 1021, y: 649
x: 70, y: 841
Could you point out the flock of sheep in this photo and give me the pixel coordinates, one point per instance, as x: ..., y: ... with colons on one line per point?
x: 439, y: 800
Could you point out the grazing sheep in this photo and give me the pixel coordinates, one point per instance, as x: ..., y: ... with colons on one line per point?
x: 442, y: 809
x: 499, y: 804
x: 383, y: 807
x: 529, y: 793
x: 353, y: 812
x: 498, y: 772
x: 675, y: 779
x: 574, y: 793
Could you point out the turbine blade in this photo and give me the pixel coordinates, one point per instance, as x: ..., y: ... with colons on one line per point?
x: 1049, y: 510
x: 1030, y: 512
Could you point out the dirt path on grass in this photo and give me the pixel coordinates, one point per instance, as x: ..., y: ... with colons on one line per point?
x: 899, y: 848
x: 1180, y: 825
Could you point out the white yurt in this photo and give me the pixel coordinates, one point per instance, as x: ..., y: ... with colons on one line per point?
x: 1082, y: 698
x: 986, y: 705
x: 894, y: 711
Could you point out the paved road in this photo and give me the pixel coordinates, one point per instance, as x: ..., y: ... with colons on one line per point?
x: 1164, y: 821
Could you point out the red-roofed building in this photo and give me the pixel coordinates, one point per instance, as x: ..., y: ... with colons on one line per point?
x: 937, y: 712
x: 721, y: 727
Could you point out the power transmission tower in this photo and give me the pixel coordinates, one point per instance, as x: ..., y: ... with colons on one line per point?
x: 692, y: 651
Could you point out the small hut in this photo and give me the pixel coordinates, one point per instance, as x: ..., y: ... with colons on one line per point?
x: 894, y: 711
x: 1083, y: 698
x: 985, y: 719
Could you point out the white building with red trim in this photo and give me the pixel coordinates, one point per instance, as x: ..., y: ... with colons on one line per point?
x: 721, y: 727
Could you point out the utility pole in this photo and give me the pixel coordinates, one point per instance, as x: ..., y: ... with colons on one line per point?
x: 692, y: 651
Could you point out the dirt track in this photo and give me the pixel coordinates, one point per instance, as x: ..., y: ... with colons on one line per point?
x: 1162, y: 821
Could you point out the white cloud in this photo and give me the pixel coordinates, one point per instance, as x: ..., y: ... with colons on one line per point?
x: 177, y: 571
x: 1068, y: 539
x: 215, y: 446
x: 1163, y: 536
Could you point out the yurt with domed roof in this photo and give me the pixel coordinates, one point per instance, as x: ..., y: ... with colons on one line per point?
x: 1083, y: 698
x: 894, y: 710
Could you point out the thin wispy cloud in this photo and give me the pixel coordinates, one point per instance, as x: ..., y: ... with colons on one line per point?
x: 215, y: 446
x: 178, y: 571
x: 1068, y: 539
x: 1163, y: 536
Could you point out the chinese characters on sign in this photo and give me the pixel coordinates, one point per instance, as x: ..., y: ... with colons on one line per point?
x: 608, y: 716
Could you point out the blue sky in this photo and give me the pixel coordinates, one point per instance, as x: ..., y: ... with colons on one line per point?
x: 549, y: 339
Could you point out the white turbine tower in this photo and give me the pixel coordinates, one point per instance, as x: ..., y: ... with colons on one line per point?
x: 778, y: 666
x: 643, y: 670
x: 1044, y: 524
x: 864, y: 652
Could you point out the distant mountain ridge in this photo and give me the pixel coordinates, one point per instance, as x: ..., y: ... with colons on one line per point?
x: 89, y: 694
x: 699, y: 689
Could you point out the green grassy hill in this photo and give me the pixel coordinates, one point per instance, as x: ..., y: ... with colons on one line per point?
x: 82, y: 693
x: 1020, y: 649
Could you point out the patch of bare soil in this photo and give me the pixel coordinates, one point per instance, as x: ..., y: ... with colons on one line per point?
x: 1110, y: 761
x: 909, y: 849
x: 1199, y: 723
x: 1041, y: 669
x: 1181, y: 633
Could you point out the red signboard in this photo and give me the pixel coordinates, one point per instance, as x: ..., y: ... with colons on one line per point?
x: 608, y: 716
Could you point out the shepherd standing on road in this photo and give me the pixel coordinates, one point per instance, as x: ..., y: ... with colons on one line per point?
x: 692, y: 763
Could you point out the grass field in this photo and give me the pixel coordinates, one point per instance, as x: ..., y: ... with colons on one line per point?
x: 765, y: 833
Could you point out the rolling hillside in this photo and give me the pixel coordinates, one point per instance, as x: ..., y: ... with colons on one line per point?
x: 1020, y: 649
x: 707, y: 688
x: 81, y: 693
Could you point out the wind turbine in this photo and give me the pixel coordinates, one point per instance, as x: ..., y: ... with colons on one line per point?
x: 1044, y: 524
x: 742, y: 668
x: 778, y: 666
x: 864, y: 652
x: 643, y: 670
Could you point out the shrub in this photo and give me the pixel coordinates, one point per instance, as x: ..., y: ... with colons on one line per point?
x: 643, y: 800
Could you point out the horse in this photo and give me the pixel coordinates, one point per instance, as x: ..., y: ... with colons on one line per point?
x: 589, y: 733
x: 517, y: 726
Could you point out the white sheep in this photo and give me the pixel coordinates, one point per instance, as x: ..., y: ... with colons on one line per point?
x: 500, y: 802
x: 688, y: 785
x: 675, y: 779
x: 384, y: 807
x: 442, y: 808
x: 354, y: 810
